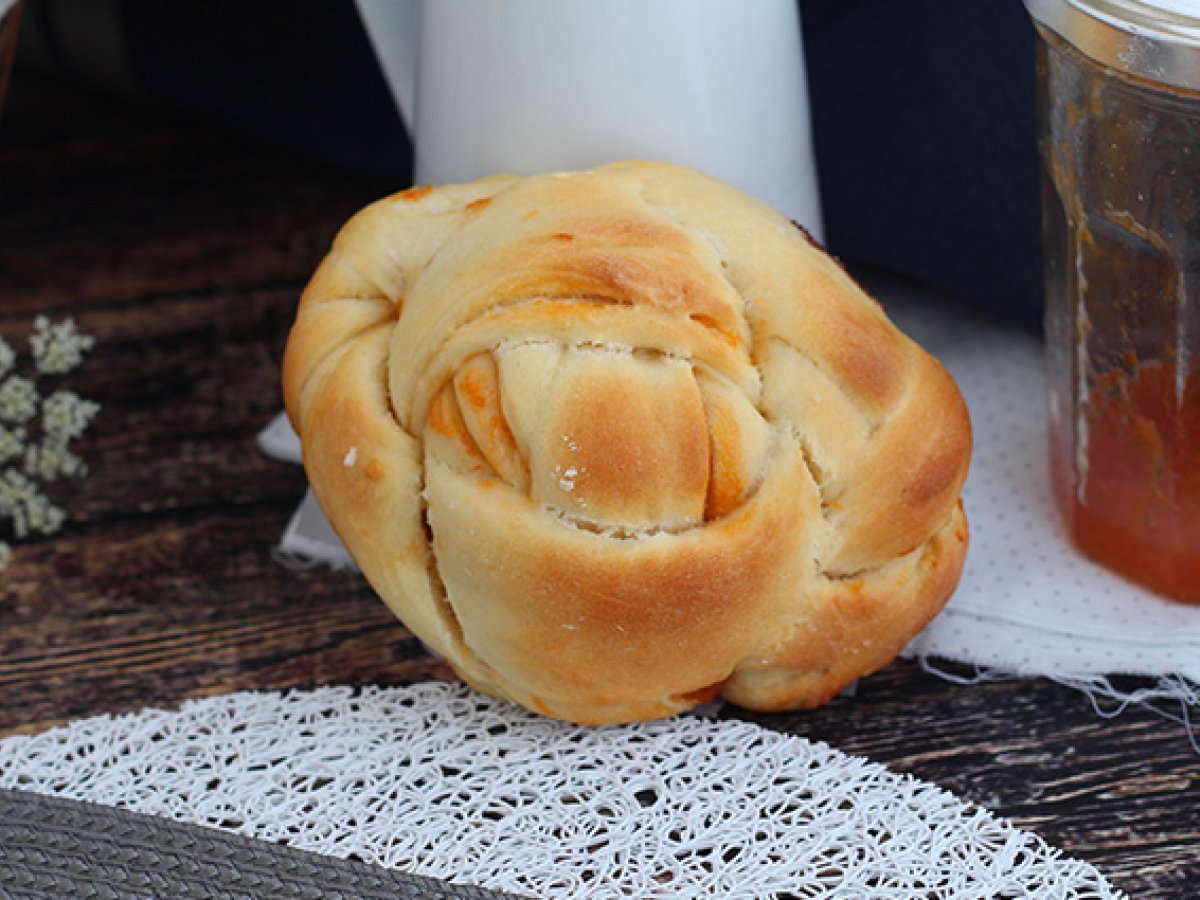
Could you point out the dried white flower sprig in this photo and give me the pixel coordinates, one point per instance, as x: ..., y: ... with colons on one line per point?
x: 58, y: 348
x: 36, y: 431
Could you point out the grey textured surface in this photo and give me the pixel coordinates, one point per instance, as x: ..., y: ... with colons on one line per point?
x: 54, y: 848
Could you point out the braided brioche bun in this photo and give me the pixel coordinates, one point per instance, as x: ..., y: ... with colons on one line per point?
x: 616, y: 442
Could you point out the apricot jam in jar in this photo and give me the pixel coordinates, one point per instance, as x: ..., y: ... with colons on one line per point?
x: 1119, y: 110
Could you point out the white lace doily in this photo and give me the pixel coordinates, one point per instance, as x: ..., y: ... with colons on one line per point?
x: 438, y: 780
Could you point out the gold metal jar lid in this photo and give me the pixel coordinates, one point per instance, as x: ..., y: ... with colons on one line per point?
x: 1154, y: 39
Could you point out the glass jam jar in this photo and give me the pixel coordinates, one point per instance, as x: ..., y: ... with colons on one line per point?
x: 1119, y: 111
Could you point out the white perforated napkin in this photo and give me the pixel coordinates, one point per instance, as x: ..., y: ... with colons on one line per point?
x: 1028, y: 603
x: 439, y: 781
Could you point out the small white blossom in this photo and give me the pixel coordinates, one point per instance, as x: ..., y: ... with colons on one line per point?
x: 5, y: 555
x: 58, y: 347
x: 12, y: 443
x: 18, y: 400
x: 50, y: 461
x: 66, y: 415
x: 23, y: 503
x: 8, y: 357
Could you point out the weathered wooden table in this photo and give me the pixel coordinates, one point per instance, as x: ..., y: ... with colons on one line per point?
x: 184, y: 252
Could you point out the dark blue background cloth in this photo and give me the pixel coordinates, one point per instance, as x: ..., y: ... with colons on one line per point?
x: 298, y: 75
x: 924, y: 119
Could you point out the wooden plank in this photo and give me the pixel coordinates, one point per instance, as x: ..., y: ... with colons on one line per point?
x: 138, y: 612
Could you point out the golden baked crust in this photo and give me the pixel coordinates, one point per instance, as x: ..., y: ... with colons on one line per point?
x: 614, y: 442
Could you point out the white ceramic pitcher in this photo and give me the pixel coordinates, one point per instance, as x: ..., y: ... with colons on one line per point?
x: 545, y: 85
